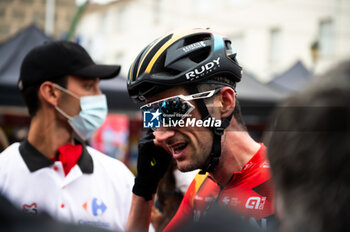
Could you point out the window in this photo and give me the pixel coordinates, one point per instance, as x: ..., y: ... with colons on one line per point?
x: 18, y: 13
x: 326, y: 37
x: 2, y: 13
x: 156, y: 11
x: 103, y: 22
x: 121, y: 22
x: 275, y: 44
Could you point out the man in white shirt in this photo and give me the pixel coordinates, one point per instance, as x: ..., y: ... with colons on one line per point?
x: 53, y: 170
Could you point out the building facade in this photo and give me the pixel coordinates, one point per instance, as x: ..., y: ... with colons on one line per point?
x: 269, y: 35
x: 52, y: 16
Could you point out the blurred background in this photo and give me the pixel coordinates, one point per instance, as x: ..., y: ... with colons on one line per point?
x: 281, y: 45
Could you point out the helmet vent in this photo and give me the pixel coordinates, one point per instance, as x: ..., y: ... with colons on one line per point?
x: 200, y: 55
x: 196, y: 38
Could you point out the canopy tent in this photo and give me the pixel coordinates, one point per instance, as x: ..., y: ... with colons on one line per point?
x: 253, y: 91
x: 256, y: 98
x: 293, y: 79
x: 12, y: 53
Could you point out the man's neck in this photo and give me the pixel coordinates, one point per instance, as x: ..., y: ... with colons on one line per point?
x: 46, y: 135
x: 237, y: 148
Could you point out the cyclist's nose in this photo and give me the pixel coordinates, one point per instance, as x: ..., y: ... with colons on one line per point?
x: 162, y: 135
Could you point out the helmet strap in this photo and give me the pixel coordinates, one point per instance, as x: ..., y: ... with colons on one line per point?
x: 215, y: 152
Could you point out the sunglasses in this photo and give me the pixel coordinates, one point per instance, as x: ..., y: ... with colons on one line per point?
x: 177, y: 107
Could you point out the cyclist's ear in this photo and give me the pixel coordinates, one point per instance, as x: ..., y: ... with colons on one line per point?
x: 227, y: 99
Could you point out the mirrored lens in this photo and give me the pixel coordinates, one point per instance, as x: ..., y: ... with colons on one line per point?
x: 172, y: 108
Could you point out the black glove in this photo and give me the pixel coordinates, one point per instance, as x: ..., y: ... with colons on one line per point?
x: 152, y: 163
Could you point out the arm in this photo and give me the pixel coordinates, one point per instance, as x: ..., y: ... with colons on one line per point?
x: 140, y: 214
x: 152, y: 163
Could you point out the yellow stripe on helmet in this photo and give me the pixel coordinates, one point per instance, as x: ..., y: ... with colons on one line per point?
x: 150, y: 49
x: 131, y: 69
x: 175, y: 37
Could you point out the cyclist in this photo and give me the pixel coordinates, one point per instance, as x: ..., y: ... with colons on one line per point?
x: 188, y: 81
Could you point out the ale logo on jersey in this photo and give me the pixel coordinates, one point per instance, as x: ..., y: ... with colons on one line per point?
x: 255, y: 203
x: 95, y: 207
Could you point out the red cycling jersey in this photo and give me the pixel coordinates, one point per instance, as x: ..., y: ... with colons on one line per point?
x: 250, y: 193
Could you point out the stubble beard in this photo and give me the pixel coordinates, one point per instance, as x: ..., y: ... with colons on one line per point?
x: 197, y: 161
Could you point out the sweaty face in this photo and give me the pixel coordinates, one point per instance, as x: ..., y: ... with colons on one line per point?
x: 190, y: 146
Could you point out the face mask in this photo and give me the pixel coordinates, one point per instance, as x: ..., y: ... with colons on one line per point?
x: 92, y: 115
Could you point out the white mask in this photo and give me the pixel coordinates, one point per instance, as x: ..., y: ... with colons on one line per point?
x: 92, y: 115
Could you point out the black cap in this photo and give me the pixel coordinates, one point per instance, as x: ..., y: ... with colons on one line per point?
x: 57, y: 59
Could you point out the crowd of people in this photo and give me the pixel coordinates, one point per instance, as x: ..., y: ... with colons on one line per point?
x: 297, y: 180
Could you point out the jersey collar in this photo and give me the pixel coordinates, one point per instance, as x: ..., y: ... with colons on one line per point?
x: 258, y: 159
x: 36, y: 160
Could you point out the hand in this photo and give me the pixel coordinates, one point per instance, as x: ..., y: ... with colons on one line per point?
x: 152, y: 163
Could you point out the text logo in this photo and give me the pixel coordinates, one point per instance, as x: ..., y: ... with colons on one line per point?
x: 155, y: 119
x: 191, y: 122
x: 95, y: 206
x: 226, y: 200
x: 31, y: 209
x: 151, y: 119
x: 194, y: 46
x: 255, y: 203
x: 204, y: 69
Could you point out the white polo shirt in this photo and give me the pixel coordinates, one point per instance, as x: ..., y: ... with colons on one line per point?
x: 97, y: 191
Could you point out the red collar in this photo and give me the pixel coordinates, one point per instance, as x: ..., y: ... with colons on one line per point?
x: 256, y: 161
x: 258, y: 158
x: 69, y: 155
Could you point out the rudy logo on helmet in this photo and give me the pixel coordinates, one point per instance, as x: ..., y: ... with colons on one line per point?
x: 204, y: 69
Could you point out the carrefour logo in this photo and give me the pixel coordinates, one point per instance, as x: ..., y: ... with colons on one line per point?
x: 95, y: 207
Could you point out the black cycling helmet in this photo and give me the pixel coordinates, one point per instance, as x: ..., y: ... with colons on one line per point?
x: 181, y: 58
